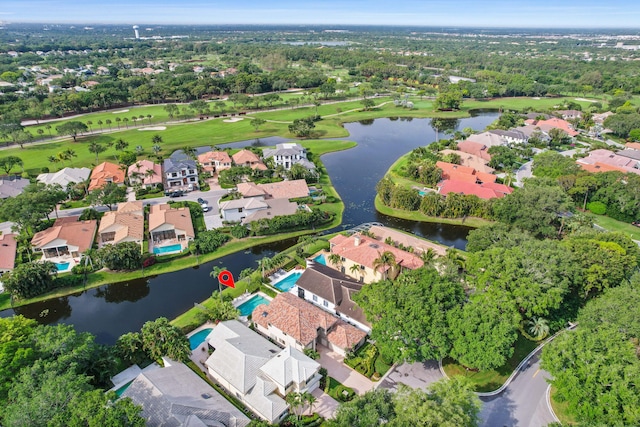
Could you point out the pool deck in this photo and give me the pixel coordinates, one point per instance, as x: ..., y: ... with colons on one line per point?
x: 281, y: 275
x: 207, y: 325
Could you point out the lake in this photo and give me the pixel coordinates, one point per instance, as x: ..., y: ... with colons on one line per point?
x: 112, y: 310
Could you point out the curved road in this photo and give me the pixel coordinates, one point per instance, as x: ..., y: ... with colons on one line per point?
x: 523, y: 403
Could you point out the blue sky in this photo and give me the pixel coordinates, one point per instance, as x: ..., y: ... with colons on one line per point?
x: 483, y: 13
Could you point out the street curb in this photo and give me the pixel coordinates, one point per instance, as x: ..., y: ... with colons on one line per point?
x: 548, y: 396
x: 377, y: 384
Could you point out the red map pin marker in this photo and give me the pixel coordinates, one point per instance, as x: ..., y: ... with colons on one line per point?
x: 226, y: 278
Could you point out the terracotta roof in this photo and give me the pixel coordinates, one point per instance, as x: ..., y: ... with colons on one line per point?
x: 452, y: 168
x: 486, y: 177
x: 133, y: 207
x: 163, y: 214
x: 103, y: 172
x: 612, y: 159
x: 245, y: 156
x: 276, y: 190
x: 474, y: 148
x: 293, y: 316
x: 553, y: 122
x: 220, y: 157
x: 601, y: 167
x: 633, y: 145
x: 407, y: 239
x: 368, y: 250
x: 485, y: 191
x: 345, y: 336
x: 129, y: 224
x: 471, y: 160
x: 75, y: 233
x: 141, y: 167
x: 8, y: 247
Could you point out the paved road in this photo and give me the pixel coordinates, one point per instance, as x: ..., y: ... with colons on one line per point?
x: 523, y: 403
x: 523, y: 172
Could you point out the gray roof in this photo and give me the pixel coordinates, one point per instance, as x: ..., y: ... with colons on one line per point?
x: 275, y: 207
x: 177, y: 161
x: 65, y: 176
x: 11, y: 187
x: 248, y: 203
x: 515, y: 134
x: 335, y: 287
x: 284, y: 149
x: 177, y: 396
x: 290, y: 365
x: 631, y: 154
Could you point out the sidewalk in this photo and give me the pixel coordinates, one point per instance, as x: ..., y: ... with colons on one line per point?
x: 332, y: 362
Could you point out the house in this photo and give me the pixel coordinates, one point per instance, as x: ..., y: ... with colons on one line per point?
x: 180, y: 172
x: 176, y: 396
x: 630, y: 154
x: 475, y: 149
x: 333, y: 292
x: 464, y: 173
x: 600, y: 118
x: 275, y: 190
x: 214, y: 161
x: 287, y: 155
x: 292, y: 321
x: 399, y: 238
x: 169, y: 228
x: 611, y: 159
x: 553, y: 123
x: 257, y: 372
x: 246, y: 210
x: 12, y: 186
x: 485, y: 190
x: 533, y: 131
x: 511, y: 137
x: 8, y: 246
x: 249, y: 159
x: 104, y: 174
x: 65, y: 176
x: 570, y: 114
x: 145, y: 173
x: 363, y: 251
x: 126, y: 224
x: 633, y: 145
x: 68, y: 238
x: 487, y: 138
x: 471, y: 161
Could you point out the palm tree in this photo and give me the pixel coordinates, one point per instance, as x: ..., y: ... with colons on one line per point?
x: 538, y: 327
x: 49, y: 129
x: 118, y: 120
x: 156, y: 149
x: 428, y: 256
x: 354, y: 269
x: 53, y: 159
x: 215, y: 273
x: 96, y: 148
x: 149, y: 118
x: 386, y: 259
x: 108, y: 123
x: 121, y: 145
x: 135, y: 119
x: 335, y: 259
x: 311, y: 400
x: 89, y: 123
x: 100, y: 123
x: 265, y: 264
x: 126, y: 122
x: 156, y: 139
x: 189, y: 151
x: 296, y: 401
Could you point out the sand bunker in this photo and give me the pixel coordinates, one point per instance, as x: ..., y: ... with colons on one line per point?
x: 233, y: 120
x: 119, y: 112
x: 154, y: 128
x: 587, y: 100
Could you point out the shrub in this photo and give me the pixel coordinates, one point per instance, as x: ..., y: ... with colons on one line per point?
x: 67, y: 281
x: 597, y: 208
x: 239, y: 231
x: 149, y: 261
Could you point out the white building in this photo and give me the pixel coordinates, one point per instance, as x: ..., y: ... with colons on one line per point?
x: 288, y: 154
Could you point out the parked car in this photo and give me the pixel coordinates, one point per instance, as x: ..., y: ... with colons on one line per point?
x: 178, y: 193
x: 202, y: 201
x: 205, y: 208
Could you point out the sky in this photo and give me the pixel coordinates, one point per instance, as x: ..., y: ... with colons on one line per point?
x: 469, y: 13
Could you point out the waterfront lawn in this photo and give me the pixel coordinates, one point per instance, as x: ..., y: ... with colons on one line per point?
x: 485, y: 381
x: 611, y: 224
x: 418, y: 216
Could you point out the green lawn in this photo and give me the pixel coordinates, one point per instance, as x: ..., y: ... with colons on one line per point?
x: 334, y: 389
x: 562, y: 410
x: 485, y: 381
x: 615, y: 225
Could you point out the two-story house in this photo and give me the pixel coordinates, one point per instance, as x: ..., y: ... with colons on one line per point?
x: 214, y: 161
x: 126, y: 224
x: 180, y: 172
x: 287, y: 155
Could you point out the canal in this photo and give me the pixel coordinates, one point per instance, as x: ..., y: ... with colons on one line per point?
x: 112, y: 310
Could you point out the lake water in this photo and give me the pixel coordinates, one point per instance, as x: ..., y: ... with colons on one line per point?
x: 112, y: 310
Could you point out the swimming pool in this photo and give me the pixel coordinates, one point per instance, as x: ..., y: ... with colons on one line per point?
x: 62, y: 266
x: 288, y: 282
x: 198, y: 338
x: 320, y: 259
x: 123, y: 388
x: 422, y: 193
x: 167, y: 249
x: 246, y: 308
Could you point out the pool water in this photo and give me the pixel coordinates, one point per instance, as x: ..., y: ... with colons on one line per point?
x: 198, y: 338
x: 246, y: 308
x: 422, y: 193
x: 288, y: 282
x: 123, y: 388
x: 166, y: 249
x: 62, y: 266
x: 320, y: 259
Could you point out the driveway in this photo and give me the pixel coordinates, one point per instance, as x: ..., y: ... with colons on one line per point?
x: 326, y: 406
x: 523, y: 172
x: 332, y: 362
x: 415, y: 375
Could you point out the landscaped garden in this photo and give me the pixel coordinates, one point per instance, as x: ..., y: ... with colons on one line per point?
x: 368, y: 361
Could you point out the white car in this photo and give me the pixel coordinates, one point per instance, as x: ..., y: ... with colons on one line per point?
x: 205, y: 208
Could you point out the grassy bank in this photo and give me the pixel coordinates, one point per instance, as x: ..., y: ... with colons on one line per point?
x: 417, y: 216
x: 611, y: 224
x: 561, y: 410
x: 490, y: 380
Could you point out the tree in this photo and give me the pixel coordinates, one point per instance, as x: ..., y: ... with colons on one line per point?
x: 535, y: 209
x: 156, y: 139
x: 367, y: 103
x: 302, y: 127
x: 160, y: 338
x: 496, y: 235
x: 9, y: 162
x: 96, y: 408
x: 219, y: 310
x: 121, y: 145
x: 16, y: 349
x: 409, y: 316
x: 386, y: 262
x: 72, y: 129
x: 615, y: 309
x: 373, y: 408
x: 257, y: 122
x: 448, y: 100
x: 171, y: 110
x: 483, y: 331
x: 538, y: 327
x: 30, y: 279
x: 121, y: 256
x: 96, y: 148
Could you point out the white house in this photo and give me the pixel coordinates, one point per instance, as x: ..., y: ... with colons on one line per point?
x: 257, y: 372
x: 65, y: 176
x: 180, y: 172
x: 287, y: 155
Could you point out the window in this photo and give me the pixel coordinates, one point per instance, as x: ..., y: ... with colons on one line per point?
x: 315, y: 298
x: 362, y: 267
x: 325, y: 303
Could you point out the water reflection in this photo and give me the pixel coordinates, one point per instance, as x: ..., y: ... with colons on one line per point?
x: 130, y: 291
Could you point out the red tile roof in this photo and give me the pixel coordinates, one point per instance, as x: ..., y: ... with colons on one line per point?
x: 365, y: 250
x: 475, y: 148
x: 452, y: 168
x: 104, y: 173
x: 8, y: 247
x: 484, y: 191
x: 74, y: 233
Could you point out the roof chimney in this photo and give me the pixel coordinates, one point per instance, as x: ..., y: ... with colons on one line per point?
x: 356, y: 241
